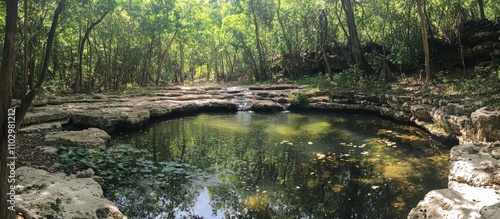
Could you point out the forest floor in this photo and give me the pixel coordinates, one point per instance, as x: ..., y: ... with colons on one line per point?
x: 478, y: 86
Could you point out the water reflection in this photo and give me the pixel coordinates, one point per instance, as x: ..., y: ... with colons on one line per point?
x: 285, y: 165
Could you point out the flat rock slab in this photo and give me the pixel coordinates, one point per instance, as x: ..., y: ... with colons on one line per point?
x: 461, y: 201
x: 41, y: 194
x: 90, y: 137
x: 266, y: 106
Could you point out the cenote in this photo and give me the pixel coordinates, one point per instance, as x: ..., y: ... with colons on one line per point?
x: 284, y: 165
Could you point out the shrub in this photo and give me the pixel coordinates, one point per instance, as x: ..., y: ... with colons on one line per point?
x: 299, y: 99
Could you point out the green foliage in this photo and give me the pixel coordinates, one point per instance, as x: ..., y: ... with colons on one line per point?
x: 120, y: 163
x: 299, y: 99
x: 319, y: 81
x: 354, y: 79
x: 216, y: 36
x: 51, y: 210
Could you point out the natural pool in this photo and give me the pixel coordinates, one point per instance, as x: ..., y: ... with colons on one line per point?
x: 285, y: 165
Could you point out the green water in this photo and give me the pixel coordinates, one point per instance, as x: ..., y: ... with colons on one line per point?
x: 286, y: 165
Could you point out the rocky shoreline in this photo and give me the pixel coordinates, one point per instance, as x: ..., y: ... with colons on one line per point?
x: 475, y: 168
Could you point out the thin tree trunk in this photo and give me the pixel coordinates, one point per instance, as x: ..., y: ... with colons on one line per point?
x: 262, y: 71
x: 481, y: 9
x: 340, y: 21
x: 120, y: 74
x: 8, y: 68
x: 423, y: 25
x: 293, y: 57
x: 24, y: 79
x: 162, y: 58
x: 216, y: 67
x: 147, y: 68
x: 181, y: 67
x: 324, y: 40
x: 79, y: 73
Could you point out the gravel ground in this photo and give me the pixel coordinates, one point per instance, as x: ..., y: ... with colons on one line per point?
x: 28, y: 154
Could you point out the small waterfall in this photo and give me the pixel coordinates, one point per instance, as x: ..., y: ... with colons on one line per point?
x: 242, y: 96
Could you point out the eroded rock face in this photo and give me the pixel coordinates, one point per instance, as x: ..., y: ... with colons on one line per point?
x: 90, y: 137
x: 485, y: 125
x: 475, y: 166
x: 42, y: 195
x: 462, y: 201
x: 473, y: 188
x: 439, y: 116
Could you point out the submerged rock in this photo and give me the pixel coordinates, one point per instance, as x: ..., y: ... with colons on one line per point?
x: 41, y: 194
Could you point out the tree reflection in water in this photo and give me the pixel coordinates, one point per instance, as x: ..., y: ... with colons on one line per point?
x: 284, y: 166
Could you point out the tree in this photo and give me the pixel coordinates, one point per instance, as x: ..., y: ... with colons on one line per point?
x: 78, y: 87
x: 354, y: 39
x: 7, y: 70
x: 481, y: 9
x: 425, y: 42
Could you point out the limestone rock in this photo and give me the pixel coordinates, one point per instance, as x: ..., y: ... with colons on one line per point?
x: 486, y: 125
x: 472, y: 166
x: 41, y: 195
x: 45, y: 114
x: 42, y: 127
x: 421, y: 112
x: 88, y: 173
x: 266, y: 106
x: 89, y: 137
x: 490, y: 212
x: 106, y: 116
x: 462, y: 201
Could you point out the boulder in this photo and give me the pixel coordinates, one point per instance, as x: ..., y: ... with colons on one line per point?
x: 485, y: 125
x: 40, y: 194
x: 90, y: 137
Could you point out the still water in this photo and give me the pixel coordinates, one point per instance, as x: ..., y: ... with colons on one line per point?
x: 286, y: 165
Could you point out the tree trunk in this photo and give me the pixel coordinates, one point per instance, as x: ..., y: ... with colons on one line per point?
x: 181, y: 67
x: 261, y: 73
x: 147, y: 69
x: 162, y: 58
x: 324, y: 40
x: 481, y: 9
x: 293, y: 56
x: 216, y: 68
x: 354, y: 39
x: 24, y: 79
x: 7, y: 70
x: 340, y: 21
x: 79, y: 74
x: 120, y: 74
x: 425, y: 42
